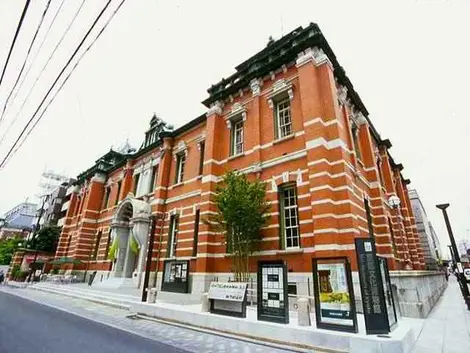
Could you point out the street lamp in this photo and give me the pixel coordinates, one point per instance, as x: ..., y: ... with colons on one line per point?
x: 394, y: 202
x: 460, y: 275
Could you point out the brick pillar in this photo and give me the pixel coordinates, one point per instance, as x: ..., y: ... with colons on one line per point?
x: 64, y: 235
x: 86, y: 232
x: 159, y: 209
x: 410, y: 247
x: 255, y: 115
x: 211, y: 172
x: 334, y: 204
x: 378, y: 196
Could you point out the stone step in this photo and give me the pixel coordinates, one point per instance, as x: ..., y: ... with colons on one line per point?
x: 76, y: 289
x: 109, y: 299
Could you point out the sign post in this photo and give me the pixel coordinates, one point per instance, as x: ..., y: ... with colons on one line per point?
x: 273, y: 299
x: 373, y: 296
x: 228, y: 298
x: 335, y: 307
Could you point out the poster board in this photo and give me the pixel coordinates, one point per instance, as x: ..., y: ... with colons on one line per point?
x: 176, y: 276
x: 228, y: 298
x: 273, y: 299
x: 372, y: 290
x: 335, y: 307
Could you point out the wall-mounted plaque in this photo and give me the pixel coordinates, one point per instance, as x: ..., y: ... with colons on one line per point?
x: 273, y: 300
x: 334, y: 295
x: 372, y: 290
x: 176, y: 276
x: 228, y: 298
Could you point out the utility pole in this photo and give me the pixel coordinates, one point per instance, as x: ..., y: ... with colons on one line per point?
x: 456, y: 256
x: 36, y: 228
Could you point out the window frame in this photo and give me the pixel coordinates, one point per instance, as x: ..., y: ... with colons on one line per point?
x: 180, y: 164
x: 97, y: 244
x: 278, y: 124
x: 172, y: 236
x: 119, y: 184
x: 283, y: 230
x: 356, y: 140
x: 107, y: 192
x: 136, y: 183
x: 197, y: 217
x: 202, y: 148
x: 153, y: 178
x: 233, y: 136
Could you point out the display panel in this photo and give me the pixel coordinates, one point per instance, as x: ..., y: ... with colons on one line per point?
x: 176, y: 276
x: 334, y: 295
x: 273, y: 300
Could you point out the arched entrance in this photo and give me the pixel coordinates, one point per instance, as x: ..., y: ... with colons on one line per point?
x: 130, y: 228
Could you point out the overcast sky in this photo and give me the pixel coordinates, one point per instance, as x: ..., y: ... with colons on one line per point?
x: 408, y: 60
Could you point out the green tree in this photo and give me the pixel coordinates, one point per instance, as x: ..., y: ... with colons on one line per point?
x: 241, y: 213
x: 7, y: 248
x: 46, y: 239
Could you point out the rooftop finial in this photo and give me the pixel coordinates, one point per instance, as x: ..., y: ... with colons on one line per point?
x: 270, y: 41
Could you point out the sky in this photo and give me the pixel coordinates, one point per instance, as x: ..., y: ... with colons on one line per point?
x: 408, y: 60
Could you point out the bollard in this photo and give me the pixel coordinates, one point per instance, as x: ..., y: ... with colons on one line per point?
x: 152, y: 295
x: 303, y: 312
x: 206, y: 304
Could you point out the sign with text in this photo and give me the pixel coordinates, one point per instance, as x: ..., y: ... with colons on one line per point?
x: 372, y: 290
x: 233, y: 291
x: 334, y: 295
x: 228, y: 298
x: 273, y: 300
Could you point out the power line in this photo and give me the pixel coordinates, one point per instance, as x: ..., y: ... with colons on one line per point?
x: 13, y: 149
x: 42, y: 71
x: 38, y: 28
x: 5, y: 108
x: 14, y: 39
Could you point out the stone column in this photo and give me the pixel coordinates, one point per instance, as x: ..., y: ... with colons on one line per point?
x: 140, y: 229
x: 121, y: 231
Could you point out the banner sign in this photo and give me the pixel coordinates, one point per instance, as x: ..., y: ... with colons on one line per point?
x: 228, y: 298
x: 373, y: 297
x: 176, y: 276
x: 334, y: 295
x: 273, y: 299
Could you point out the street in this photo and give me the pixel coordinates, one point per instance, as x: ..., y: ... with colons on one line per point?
x: 27, y: 326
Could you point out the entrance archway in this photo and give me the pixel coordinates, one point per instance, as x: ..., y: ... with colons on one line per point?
x: 130, y: 228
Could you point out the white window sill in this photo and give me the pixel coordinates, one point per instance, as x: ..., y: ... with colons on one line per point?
x: 177, y: 185
x: 285, y: 138
x: 235, y: 156
x: 290, y: 251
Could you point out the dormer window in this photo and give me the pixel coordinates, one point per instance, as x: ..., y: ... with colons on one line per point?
x: 280, y: 101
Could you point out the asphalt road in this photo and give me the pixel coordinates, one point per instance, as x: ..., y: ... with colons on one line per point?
x: 26, y: 326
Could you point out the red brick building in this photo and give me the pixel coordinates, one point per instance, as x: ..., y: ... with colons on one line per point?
x: 289, y: 116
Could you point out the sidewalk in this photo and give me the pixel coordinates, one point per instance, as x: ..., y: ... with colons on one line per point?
x: 447, y: 328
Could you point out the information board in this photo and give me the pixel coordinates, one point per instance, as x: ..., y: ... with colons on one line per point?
x: 176, y: 276
x: 273, y: 299
x: 228, y: 298
x: 372, y: 290
x: 334, y: 295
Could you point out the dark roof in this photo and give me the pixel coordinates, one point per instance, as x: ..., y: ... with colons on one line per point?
x: 278, y: 53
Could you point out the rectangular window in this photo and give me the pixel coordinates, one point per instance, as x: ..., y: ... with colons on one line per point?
x: 97, y: 244
x: 237, y: 138
x: 172, y: 238
x: 289, y: 217
x: 180, y: 162
x: 136, y: 184
x: 106, y: 198
x: 153, y: 178
x: 369, y: 218
x: 379, y: 169
x: 196, y: 232
x: 118, y: 192
x: 355, y: 137
x: 283, y: 118
x: 202, y: 146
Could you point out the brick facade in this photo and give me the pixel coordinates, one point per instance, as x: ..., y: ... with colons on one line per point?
x: 328, y: 150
